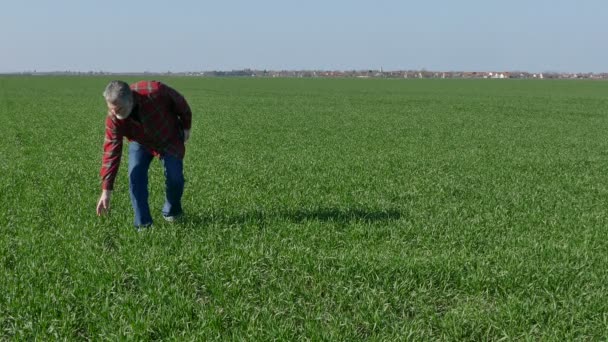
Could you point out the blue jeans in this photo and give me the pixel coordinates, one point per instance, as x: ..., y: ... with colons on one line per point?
x: 139, y: 163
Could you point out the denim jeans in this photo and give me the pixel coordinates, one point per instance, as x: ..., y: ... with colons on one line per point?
x: 139, y: 163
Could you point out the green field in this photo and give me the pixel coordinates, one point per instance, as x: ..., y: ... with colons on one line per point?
x: 317, y: 209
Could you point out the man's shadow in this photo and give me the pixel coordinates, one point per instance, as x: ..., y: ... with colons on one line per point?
x: 336, y: 215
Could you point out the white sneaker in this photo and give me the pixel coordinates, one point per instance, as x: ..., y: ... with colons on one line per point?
x: 144, y: 227
x: 172, y: 218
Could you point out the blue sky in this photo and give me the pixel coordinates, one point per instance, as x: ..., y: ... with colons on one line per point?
x: 120, y: 36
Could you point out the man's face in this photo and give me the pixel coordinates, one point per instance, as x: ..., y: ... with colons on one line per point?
x: 120, y: 110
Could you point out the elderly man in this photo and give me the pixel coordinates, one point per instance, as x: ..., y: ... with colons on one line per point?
x: 156, y: 120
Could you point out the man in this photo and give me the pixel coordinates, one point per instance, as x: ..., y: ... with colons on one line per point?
x: 156, y: 120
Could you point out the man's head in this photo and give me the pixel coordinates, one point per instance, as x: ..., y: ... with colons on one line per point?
x: 119, y: 99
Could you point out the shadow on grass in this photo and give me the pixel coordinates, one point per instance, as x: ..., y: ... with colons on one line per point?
x: 337, y: 215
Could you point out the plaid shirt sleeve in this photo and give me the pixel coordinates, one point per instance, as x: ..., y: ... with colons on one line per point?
x: 112, y: 152
x: 181, y: 107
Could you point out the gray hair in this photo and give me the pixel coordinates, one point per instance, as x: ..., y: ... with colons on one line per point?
x: 118, y: 92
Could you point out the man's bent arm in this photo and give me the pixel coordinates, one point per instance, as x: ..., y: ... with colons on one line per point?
x: 181, y: 107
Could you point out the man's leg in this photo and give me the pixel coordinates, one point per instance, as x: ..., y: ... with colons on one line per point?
x: 139, y: 163
x: 174, y: 181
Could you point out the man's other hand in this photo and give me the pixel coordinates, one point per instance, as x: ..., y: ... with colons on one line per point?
x: 103, y: 206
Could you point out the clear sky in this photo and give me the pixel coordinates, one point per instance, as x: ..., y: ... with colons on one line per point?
x: 189, y: 35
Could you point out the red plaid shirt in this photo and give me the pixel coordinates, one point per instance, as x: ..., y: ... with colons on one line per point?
x: 159, y: 116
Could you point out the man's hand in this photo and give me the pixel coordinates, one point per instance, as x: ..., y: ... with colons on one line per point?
x: 103, y: 206
x: 186, y: 135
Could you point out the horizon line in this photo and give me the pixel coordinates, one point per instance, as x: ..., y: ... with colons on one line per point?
x: 381, y: 70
